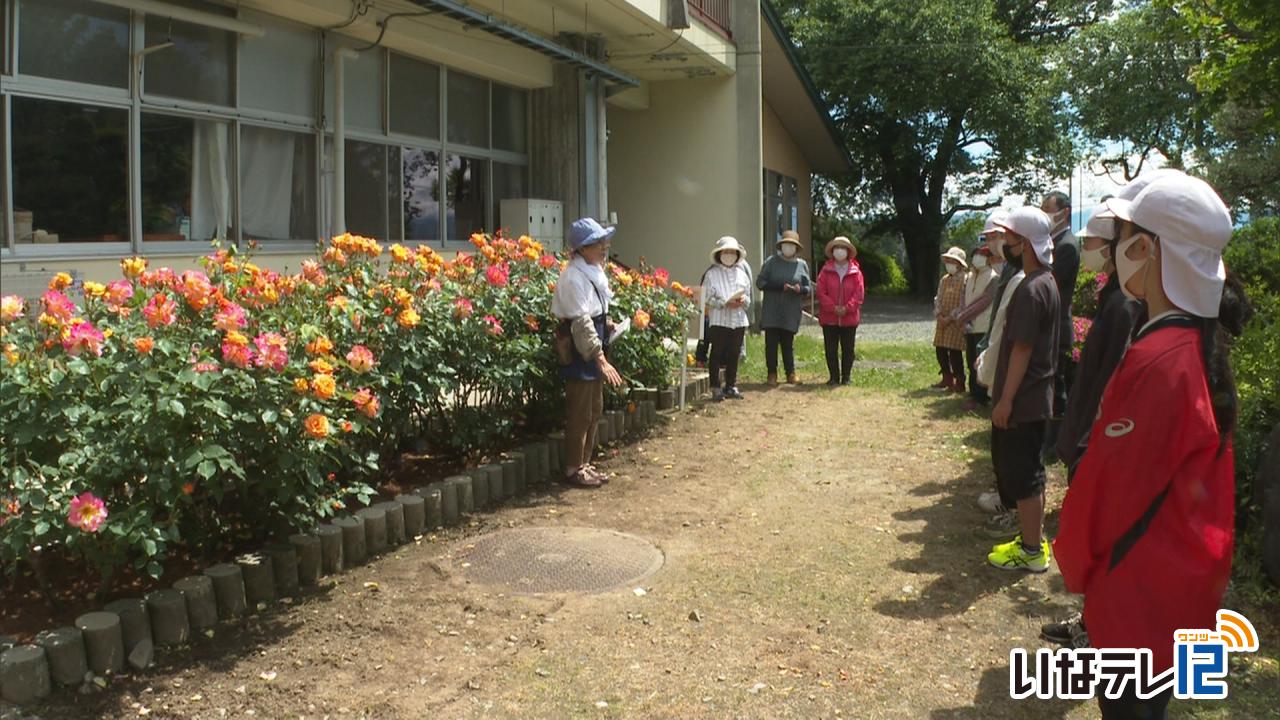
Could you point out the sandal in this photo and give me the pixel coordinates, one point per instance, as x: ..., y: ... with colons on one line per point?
x: 581, y: 479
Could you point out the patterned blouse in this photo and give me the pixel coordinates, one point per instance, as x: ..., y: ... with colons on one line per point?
x: 950, y: 297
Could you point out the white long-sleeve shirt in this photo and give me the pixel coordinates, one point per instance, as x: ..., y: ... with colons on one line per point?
x: 722, y: 283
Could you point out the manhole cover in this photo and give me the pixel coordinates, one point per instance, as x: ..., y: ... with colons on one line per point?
x: 555, y: 559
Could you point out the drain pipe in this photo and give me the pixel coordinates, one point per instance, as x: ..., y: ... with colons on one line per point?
x: 340, y: 141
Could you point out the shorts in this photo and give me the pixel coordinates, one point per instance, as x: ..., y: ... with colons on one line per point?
x: 1015, y: 452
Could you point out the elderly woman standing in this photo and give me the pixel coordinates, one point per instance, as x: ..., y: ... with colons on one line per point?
x: 841, y: 290
x: 948, y: 335
x: 581, y: 302
x: 727, y: 288
x: 784, y: 278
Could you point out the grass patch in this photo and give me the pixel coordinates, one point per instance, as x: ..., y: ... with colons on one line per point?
x: 879, y: 365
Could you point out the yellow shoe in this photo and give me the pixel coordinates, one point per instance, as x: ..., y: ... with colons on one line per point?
x: 1012, y: 556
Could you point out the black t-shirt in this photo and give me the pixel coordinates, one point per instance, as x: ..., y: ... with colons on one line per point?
x: 1033, y: 319
x: 1066, y: 268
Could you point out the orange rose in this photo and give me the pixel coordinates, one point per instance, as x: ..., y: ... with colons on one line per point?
x: 324, y: 386
x: 317, y: 426
x: 144, y: 345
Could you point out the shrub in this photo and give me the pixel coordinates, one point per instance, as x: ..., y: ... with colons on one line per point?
x: 881, y: 273
x: 235, y: 401
x: 1254, y: 255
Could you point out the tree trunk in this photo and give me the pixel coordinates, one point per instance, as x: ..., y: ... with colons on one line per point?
x: 923, y: 244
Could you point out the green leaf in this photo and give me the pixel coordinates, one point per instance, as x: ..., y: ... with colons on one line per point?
x: 149, y: 546
x: 178, y: 408
x: 42, y: 527
x: 154, y: 569
x: 270, y: 416
x: 206, y: 469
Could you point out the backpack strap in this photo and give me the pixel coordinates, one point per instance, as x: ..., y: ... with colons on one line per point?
x: 1136, y: 530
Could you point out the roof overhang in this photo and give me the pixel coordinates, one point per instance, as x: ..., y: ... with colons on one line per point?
x: 472, y: 17
x: 789, y: 90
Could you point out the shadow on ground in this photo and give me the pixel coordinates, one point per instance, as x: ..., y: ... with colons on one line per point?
x: 992, y: 701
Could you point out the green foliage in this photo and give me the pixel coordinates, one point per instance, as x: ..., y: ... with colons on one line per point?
x: 882, y: 274
x: 1254, y: 255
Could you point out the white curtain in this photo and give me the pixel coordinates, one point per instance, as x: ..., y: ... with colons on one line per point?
x: 210, y: 186
x: 266, y: 182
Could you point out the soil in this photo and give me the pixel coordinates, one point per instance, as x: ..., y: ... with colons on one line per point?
x: 821, y: 560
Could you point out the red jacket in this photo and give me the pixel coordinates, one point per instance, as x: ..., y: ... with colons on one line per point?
x: 832, y: 292
x: 1155, y: 430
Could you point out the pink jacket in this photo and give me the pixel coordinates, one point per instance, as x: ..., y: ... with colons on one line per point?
x: 833, y: 292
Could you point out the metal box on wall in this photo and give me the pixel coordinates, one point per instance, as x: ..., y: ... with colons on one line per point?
x: 542, y: 220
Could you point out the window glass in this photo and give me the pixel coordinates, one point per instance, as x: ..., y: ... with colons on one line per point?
x: 74, y: 40
x: 421, y: 194
x: 372, y: 190
x: 364, y: 90
x: 508, y: 182
x: 278, y: 72
x: 186, y: 186
x: 468, y: 110
x: 70, y: 174
x: 277, y: 184
x: 415, y: 97
x: 510, y: 109
x: 199, y: 65
x: 467, y: 187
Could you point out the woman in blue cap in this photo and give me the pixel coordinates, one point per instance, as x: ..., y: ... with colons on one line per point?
x: 581, y: 302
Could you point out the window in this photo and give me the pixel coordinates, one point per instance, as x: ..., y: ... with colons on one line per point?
x: 278, y: 72
x: 186, y: 187
x: 199, y: 65
x: 510, y: 111
x: 372, y: 189
x: 508, y: 182
x: 74, y: 40
x: 70, y: 182
x: 415, y: 97
x: 364, y: 90
x: 277, y: 184
x: 781, y: 207
x: 468, y: 110
x: 466, y: 208
x: 421, y: 194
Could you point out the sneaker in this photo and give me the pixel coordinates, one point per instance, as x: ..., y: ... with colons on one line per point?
x: 1002, y: 525
x: 1069, y: 632
x: 1012, y: 556
x: 733, y: 393
x: 717, y: 395
x: 990, y: 503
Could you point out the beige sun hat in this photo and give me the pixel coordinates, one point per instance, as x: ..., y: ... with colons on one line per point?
x: 790, y: 236
x: 844, y: 242
x: 728, y: 242
x: 957, y: 254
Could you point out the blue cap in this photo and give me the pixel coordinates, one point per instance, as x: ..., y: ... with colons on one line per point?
x: 586, y: 231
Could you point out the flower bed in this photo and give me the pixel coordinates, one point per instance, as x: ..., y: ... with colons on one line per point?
x: 186, y: 408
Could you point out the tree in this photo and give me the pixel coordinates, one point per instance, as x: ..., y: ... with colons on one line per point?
x: 1130, y: 91
x: 941, y: 101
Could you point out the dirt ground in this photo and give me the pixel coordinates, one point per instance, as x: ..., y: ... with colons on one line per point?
x: 826, y: 540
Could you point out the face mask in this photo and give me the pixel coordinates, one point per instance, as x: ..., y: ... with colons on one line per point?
x: 980, y: 262
x: 840, y: 254
x: 1094, y: 260
x: 728, y: 259
x: 788, y: 250
x: 1128, y: 269
x: 952, y: 269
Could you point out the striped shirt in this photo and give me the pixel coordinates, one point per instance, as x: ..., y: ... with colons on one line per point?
x: 722, y: 283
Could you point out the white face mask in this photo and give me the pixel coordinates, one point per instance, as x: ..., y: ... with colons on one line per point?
x: 1128, y: 269
x: 952, y: 269
x: 788, y: 250
x: 840, y: 254
x: 1094, y: 260
x: 980, y: 261
x: 728, y: 259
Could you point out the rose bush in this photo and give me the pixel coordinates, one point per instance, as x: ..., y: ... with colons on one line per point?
x: 235, y: 402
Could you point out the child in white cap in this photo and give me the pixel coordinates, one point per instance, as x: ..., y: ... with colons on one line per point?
x: 1023, y: 391
x: 1147, y: 525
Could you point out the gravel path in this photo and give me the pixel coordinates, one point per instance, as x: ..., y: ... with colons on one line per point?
x: 892, y: 319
